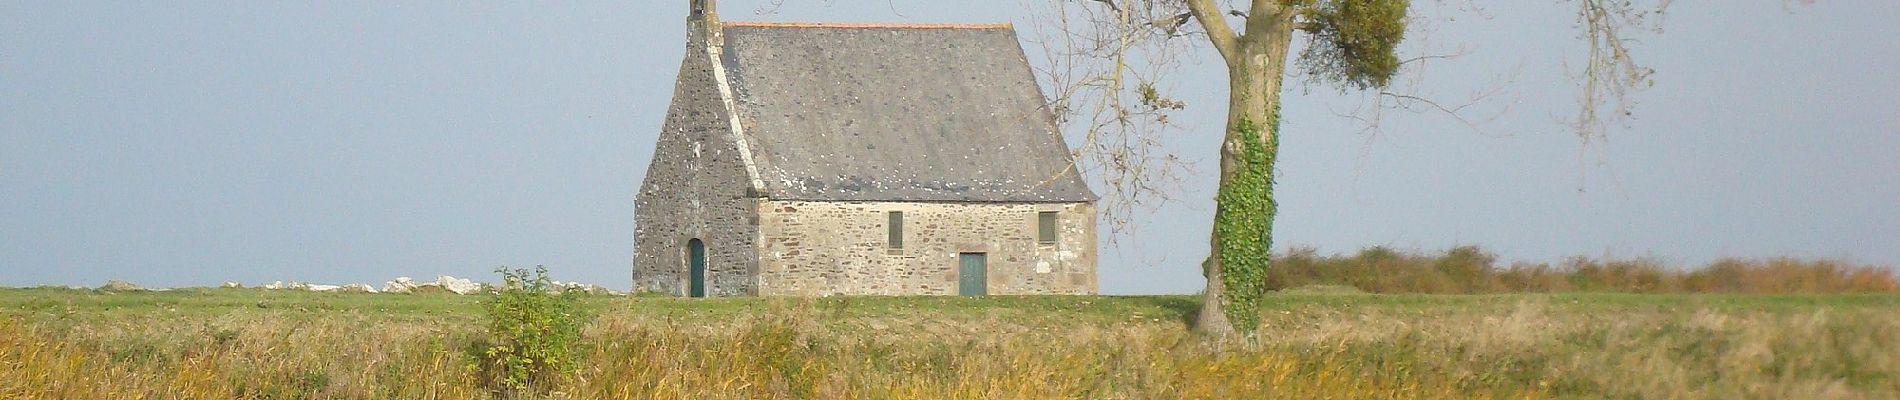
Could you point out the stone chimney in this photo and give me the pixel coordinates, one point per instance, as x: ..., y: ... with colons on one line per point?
x: 702, y: 23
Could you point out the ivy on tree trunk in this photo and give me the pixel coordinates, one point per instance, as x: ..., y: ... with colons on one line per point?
x: 1244, y: 223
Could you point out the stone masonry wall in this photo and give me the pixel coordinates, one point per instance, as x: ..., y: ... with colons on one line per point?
x: 831, y: 248
x: 696, y: 187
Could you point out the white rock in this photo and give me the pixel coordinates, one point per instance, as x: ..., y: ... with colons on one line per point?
x: 274, y: 285
x: 358, y: 288
x: 458, y: 286
x: 232, y: 285
x: 583, y: 287
x: 119, y: 285
x: 321, y: 288
x: 400, y: 285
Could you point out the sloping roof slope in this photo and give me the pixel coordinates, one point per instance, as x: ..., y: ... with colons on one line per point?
x: 895, y: 113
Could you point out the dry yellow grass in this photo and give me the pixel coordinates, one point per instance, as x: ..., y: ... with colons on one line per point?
x: 84, y: 345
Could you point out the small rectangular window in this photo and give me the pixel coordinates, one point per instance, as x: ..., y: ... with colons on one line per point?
x: 897, y: 230
x: 1046, y: 227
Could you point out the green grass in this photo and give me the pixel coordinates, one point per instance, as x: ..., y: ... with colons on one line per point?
x: 62, y: 303
x: 1330, y: 341
x: 198, y: 302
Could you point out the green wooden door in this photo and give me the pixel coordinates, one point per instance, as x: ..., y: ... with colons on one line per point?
x: 696, y: 267
x: 973, y: 274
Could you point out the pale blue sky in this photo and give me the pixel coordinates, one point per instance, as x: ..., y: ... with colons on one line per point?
x: 191, y: 143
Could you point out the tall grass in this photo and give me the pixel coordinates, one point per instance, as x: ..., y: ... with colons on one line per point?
x: 1310, y: 346
x: 787, y: 354
x: 261, y: 357
x: 774, y: 356
x: 1469, y: 269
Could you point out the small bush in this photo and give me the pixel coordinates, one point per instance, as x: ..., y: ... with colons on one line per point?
x: 1469, y: 270
x: 532, y: 330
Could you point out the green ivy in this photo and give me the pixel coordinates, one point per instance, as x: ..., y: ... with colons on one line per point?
x: 1244, y: 224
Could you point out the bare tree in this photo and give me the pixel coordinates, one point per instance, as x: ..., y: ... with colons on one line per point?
x: 1108, y: 60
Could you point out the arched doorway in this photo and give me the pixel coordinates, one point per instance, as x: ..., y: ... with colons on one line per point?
x: 696, y: 268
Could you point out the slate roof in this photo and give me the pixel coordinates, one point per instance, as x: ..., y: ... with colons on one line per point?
x: 895, y: 113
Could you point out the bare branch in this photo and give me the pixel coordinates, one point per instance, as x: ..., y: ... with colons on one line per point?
x: 1104, y: 68
x: 1407, y: 94
x: 1219, y: 34
x: 772, y: 6
x: 1173, y: 22
x: 1430, y: 57
x: 1611, y: 74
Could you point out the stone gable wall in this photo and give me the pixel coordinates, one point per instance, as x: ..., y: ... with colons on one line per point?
x: 696, y: 187
x: 816, y: 248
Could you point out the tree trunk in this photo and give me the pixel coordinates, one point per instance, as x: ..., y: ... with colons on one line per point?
x: 1212, y: 321
x: 1254, y: 72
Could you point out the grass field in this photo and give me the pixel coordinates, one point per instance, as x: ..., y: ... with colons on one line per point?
x: 249, y: 343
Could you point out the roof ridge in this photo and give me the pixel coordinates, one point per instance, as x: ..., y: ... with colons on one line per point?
x: 771, y: 24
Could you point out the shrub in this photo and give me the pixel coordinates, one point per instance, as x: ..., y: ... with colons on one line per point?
x: 532, y: 329
x: 1470, y: 270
